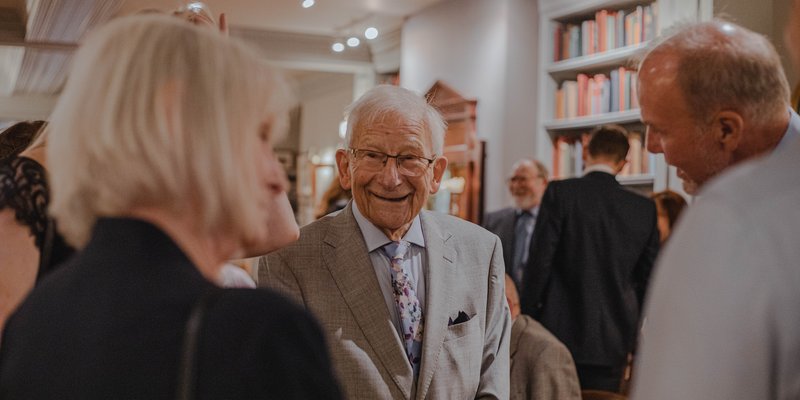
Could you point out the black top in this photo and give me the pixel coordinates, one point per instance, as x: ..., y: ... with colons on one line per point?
x: 24, y: 188
x: 109, y: 324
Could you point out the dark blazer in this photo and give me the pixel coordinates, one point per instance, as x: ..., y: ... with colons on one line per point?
x: 502, y: 223
x: 592, y: 254
x: 109, y: 324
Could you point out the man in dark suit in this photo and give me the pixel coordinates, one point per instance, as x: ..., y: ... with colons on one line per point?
x: 594, y: 247
x: 514, y: 225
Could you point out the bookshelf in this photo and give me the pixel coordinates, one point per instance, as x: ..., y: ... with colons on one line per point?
x: 587, y: 79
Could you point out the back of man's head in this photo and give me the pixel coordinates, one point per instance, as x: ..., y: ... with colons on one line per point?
x: 609, y: 143
x: 723, y: 66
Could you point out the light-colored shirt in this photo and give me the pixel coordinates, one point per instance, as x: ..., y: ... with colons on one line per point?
x: 792, y: 131
x: 723, y: 319
x: 599, y: 167
x: 416, y: 256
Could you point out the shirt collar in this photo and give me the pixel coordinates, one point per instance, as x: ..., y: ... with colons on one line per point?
x: 792, y: 131
x: 533, y: 211
x: 599, y: 167
x: 375, y: 238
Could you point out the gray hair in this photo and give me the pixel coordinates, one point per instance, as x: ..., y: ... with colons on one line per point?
x: 542, y: 169
x: 159, y: 113
x: 392, y: 103
x: 722, y: 65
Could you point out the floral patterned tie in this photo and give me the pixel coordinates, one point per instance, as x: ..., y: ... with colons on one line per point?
x: 408, y: 307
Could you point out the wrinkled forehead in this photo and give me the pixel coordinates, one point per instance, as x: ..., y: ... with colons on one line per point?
x: 393, y: 125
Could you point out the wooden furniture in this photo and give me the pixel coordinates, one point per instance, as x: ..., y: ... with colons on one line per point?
x: 464, y: 152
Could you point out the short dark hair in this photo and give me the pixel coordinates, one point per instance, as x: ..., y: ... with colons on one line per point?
x: 609, y: 141
x: 18, y: 137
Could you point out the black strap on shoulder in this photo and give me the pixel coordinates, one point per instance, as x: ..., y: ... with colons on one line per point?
x: 45, y: 253
x: 188, y: 362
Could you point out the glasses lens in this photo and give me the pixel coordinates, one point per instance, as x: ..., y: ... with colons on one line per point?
x: 411, y: 165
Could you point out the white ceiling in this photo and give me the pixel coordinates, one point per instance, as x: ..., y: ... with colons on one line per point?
x: 326, y: 17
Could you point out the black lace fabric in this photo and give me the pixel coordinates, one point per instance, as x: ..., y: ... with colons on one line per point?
x: 23, y: 188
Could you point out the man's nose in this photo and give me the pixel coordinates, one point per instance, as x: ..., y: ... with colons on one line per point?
x: 653, y: 142
x: 390, y: 174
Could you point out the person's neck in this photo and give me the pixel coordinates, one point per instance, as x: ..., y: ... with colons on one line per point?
x: 208, y: 252
x: 396, y: 234
x: 761, y: 140
x: 36, y: 153
x: 603, y: 163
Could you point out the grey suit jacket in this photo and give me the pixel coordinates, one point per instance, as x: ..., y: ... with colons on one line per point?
x: 329, y: 272
x: 541, y: 366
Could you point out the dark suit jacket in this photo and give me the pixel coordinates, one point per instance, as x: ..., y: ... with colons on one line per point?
x: 110, y: 323
x: 502, y: 223
x: 594, y: 247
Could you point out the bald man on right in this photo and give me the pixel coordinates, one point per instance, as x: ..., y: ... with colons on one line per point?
x: 714, y: 94
x: 722, y: 318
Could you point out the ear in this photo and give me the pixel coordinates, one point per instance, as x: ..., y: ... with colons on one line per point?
x: 439, y: 166
x: 343, y: 163
x: 619, y: 165
x: 728, y: 127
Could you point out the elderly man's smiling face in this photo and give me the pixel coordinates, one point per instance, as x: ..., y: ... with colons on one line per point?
x: 388, y: 196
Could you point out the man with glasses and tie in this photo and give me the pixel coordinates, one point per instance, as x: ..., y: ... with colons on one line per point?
x: 514, y: 225
x: 412, y: 301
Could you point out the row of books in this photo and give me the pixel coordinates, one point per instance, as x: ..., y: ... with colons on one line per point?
x: 568, y: 156
x: 608, y: 30
x: 598, y: 94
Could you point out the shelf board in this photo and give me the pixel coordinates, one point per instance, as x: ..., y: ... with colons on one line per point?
x: 589, y: 121
x: 640, y: 179
x: 610, y: 58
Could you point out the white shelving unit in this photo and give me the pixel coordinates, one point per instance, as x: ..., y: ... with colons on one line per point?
x: 552, y: 73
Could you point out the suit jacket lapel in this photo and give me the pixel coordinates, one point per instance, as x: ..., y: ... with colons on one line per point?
x: 438, y: 279
x: 353, y: 273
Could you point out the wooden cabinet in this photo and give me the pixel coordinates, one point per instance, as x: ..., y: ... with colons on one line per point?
x: 462, y: 187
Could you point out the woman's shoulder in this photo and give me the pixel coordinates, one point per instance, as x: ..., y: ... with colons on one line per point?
x: 24, y: 189
x: 260, y: 304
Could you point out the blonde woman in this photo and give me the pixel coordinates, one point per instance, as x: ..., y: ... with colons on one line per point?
x: 163, y: 169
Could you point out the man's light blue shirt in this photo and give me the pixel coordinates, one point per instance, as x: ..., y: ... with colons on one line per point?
x: 375, y: 240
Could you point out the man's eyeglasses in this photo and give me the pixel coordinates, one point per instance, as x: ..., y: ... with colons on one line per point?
x: 407, y: 164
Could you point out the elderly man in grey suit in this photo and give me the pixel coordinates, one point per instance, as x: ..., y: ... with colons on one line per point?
x: 412, y: 301
x: 541, y: 366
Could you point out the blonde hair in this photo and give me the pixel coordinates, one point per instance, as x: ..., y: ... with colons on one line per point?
x: 160, y: 113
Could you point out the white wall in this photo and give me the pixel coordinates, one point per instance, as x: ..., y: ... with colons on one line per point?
x: 486, y: 50
x: 323, y: 102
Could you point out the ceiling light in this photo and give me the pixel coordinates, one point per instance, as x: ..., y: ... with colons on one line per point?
x: 371, y: 33
x: 337, y: 47
x: 307, y: 3
x: 353, y: 41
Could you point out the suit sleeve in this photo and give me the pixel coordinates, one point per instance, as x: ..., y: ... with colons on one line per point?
x: 546, y: 236
x: 495, y: 368
x: 274, y: 272
x: 644, y: 266
x: 553, y: 375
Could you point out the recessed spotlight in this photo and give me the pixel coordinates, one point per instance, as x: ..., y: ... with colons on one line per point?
x: 307, y: 3
x: 337, y: 47
x: 353, y: 41
x: 371, y: 33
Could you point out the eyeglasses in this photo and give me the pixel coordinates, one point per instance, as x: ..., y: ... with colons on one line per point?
x: 407, y: 164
